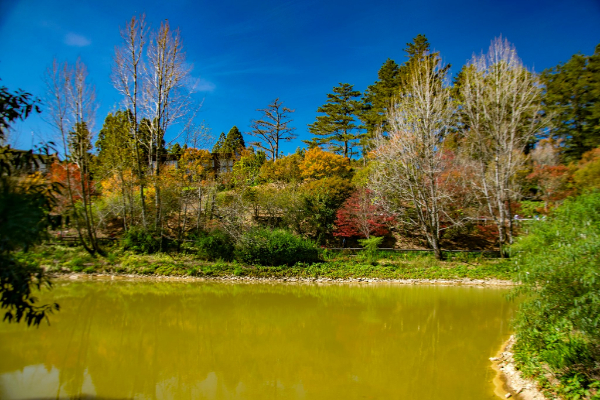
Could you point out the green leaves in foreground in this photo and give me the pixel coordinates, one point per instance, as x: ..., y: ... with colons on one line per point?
x: 17, y: 279
x: 558, y: 325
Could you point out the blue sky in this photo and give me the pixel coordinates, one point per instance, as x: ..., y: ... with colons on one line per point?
x: 245, y: 54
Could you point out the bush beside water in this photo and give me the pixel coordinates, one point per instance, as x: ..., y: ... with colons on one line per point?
x: 275, y: 247
x: 141, y: 241
x: 558, y: 325
x: 216, y: 245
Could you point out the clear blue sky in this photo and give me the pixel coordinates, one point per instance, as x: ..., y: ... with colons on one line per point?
x: 249, y: 53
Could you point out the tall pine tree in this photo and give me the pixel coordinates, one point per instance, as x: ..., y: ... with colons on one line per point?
x: 220, y: 142
x: 378, y: 97
x: 234, y: 143
x: 337, y: 128
x: 572, y: 97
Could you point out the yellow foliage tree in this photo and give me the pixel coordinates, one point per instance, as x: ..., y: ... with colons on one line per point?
x: 319, y: 164
x: 284, y: 169
x: 587, y: 175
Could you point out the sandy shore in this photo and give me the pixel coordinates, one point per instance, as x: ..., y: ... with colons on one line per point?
x: 509, y: 382
x: 290, y: 279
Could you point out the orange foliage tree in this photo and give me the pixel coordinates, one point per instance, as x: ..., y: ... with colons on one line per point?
x: 60, y: 173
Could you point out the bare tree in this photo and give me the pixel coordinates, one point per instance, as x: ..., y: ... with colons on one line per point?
x: 127, y: 78
x: 273, y: 128
x: 502, y: 111
x: 410, y: 167
x: 72, y: 106
x: 151, y: 73
x: 166, y: 98
x: 198, y: 136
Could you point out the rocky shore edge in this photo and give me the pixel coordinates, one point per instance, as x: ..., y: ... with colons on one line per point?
x: 289, y: 279
x: 510, y: 382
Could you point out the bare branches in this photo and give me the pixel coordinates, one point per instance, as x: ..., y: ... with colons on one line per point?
x: 56, y: 99
x: 127, y: 76
x: 273, y: 128
x: 167, y: 74
x: 197, y: 136
x: 129, y: 64
x: 410, y: 172
x: 72, y: 106
x: 502, y: 109
x: 151, y: 74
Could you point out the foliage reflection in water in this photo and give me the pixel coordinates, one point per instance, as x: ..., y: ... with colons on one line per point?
x: 174, y: 340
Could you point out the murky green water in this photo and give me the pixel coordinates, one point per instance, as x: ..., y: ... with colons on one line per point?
x: 174, y: 340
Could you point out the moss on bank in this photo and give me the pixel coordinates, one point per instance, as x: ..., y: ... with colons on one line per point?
x: 336, y: 265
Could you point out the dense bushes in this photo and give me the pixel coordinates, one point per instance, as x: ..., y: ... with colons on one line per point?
x: 275, y: 247
x: 216, y: 245
x: 141, y: 241
x: 558, y: 326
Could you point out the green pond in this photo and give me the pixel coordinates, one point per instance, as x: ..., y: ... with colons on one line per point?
x: 145, y: 339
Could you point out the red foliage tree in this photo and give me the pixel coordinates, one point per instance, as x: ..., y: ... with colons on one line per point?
x: 360, y: 217
x: 58, y: 174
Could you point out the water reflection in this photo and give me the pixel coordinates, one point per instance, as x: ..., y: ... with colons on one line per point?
x: 173, y: 340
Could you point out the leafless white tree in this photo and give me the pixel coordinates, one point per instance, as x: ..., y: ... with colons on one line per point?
x: 127, y: 77
x: 72, y: 107
x: 198, y: 136
x: 167, y: 99
x: 273, y: 128
x: 410, y: 168
x: 151, y: 73
x: 502, y: 111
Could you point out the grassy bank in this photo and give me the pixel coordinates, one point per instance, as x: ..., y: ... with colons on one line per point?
x: 336, y: 265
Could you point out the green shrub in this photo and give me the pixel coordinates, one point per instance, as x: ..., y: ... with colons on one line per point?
x: 558, y: 326
x: 216, y: 245
x: 77, y: 263
x: 141, y: 241
x: 77, y: 268
x: 275, y: 247
x: 371, y: 244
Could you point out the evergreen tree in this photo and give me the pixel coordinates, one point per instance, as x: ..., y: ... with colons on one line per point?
x: 378, y: 97
x: 418, y: 47
x: 220, y: 142
x: 80, y: 146
x: 176, y: 150
x: 117, y: 158
x: 115, y: 145
x: 337, y: 128
x: 234, y: 143
x: 572, y: 97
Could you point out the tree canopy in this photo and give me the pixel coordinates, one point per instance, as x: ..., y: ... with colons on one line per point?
x: 572, y: 98
x: 338, y: 128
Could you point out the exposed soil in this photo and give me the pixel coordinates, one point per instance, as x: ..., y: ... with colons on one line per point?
x: 510, y: 383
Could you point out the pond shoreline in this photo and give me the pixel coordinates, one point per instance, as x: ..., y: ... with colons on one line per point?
x: 290, y: 279
x: 509, y: 381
